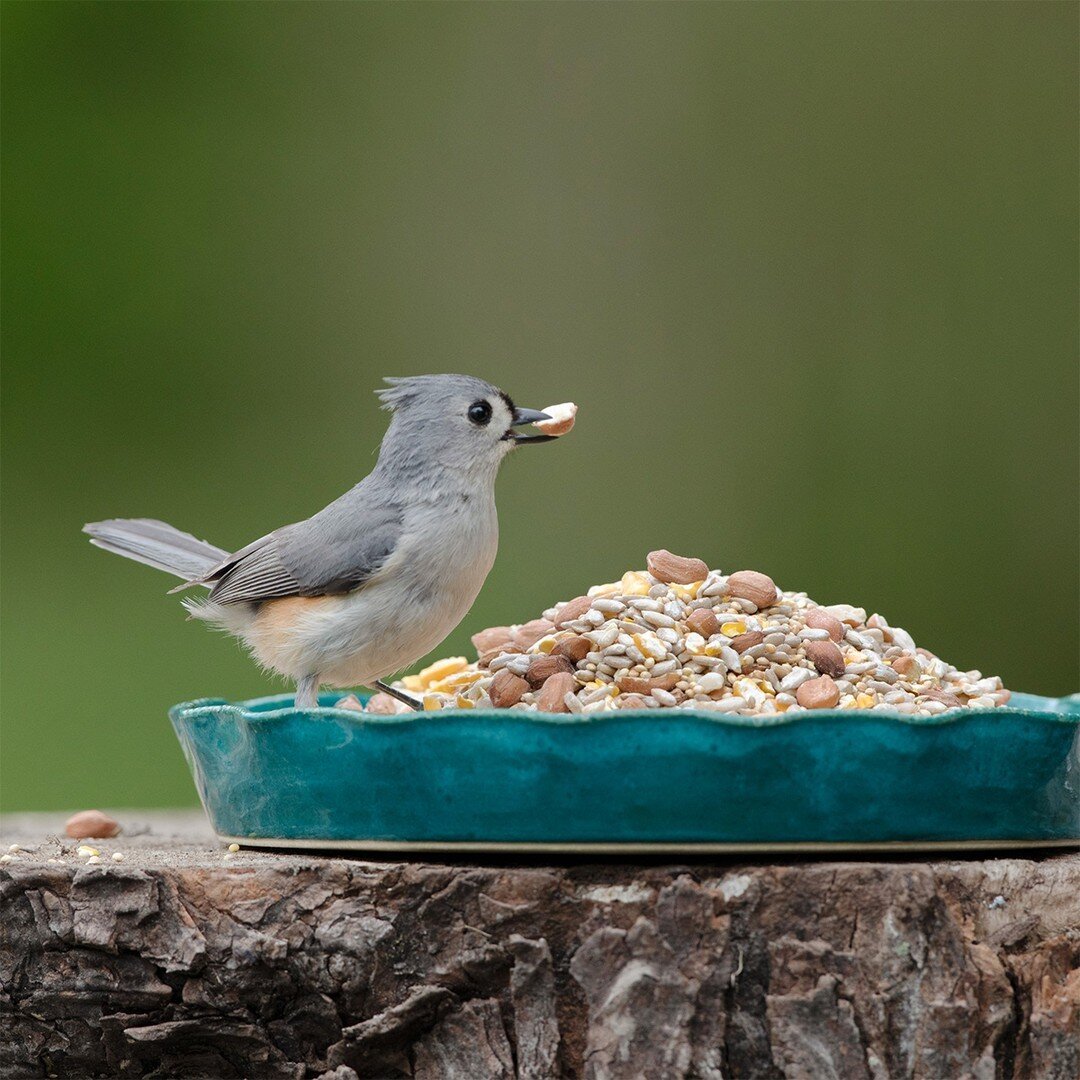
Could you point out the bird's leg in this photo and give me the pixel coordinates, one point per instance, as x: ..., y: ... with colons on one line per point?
x: 404, y: 698
x: 307, y: 692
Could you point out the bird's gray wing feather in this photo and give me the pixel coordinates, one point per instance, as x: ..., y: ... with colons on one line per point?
x: 257, y: 575
x: 334, y: 552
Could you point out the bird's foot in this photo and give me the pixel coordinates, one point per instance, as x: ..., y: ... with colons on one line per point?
x: 401, y: 695
x: 307, y: 692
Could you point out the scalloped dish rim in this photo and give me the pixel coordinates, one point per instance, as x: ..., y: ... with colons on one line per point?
x: 253, y: 710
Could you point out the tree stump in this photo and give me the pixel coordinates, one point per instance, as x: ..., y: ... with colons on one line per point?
x: 182, y: 961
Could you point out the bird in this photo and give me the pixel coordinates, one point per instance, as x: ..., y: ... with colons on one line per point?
x: 378, y: 578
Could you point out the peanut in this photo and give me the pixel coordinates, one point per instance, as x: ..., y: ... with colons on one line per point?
x: 675, y: 569
x: 951, y: 700
x: 562, y: 418
x: 507, y: 689
x: 907, y: 667
x: 703, y: 622
x: 575, y: 649
x: 749, y: 585
x: 632, y: 685
x: 531, y: 632
x: 543, y: 667
x: 572, y: 610
x: 826, y: 657
x: 821, y: 693
x: 492, y: 638
x: 552, y: 695
x: 747, y: 641
x: 485, y: 658
x: 91, y: 823
x: 385, y: 705
x: 817, y: 619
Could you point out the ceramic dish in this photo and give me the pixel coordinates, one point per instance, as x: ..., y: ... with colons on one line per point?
x: 635, y: 781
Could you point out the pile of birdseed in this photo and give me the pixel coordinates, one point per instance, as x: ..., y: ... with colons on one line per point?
x: 680, y: 635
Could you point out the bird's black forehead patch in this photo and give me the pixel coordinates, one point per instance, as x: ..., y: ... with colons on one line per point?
x: 507, y: 400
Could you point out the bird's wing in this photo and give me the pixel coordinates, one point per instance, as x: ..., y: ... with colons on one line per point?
x: 255, y: 574
x: 334, y: 552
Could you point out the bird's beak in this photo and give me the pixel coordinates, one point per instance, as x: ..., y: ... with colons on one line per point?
x: 527, y: 416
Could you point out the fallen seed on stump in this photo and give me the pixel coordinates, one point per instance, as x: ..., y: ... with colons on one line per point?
x: 89, y: 824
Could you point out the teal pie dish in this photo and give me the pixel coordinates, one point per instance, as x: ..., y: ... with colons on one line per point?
x: 272, y: 775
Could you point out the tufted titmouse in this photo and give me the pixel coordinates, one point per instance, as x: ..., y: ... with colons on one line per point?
x: 379, y: 577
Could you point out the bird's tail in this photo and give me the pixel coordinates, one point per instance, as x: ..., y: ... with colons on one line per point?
x: 157, y: 544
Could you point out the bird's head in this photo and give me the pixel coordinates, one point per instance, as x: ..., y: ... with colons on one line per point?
x: 454, y: 421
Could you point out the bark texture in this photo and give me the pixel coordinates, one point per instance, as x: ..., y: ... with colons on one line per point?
x: 178, y: 962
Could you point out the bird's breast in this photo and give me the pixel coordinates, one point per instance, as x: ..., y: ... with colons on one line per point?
x: 420, y: 594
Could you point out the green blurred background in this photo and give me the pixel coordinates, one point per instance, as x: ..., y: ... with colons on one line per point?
x: 810, y: 271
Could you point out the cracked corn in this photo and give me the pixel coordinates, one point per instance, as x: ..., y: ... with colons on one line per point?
x: 679, y: 635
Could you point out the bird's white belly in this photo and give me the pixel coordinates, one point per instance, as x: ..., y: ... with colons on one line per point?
x: 411, y: 605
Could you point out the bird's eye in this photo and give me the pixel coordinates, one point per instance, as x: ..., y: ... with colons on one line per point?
x: 480, y: 413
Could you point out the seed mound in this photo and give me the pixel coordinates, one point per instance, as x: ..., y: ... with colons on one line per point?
x: 730, y: 643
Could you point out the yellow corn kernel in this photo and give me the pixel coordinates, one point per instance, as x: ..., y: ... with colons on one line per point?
x: 611, y: 589
x: 713, y: 650
x: 865, y: 701
x: 432, y: 703
x: 687, y: 592
x: 464, y: 703
x: 650, y: 645
x: 635, y: 583
x: 455, y: 682
x: 84, y: 850
x: 855, y: 657
x: 733, y: 629
x: 441, y: 668
x: 412, y: 682
x: 764, y: 686
x: 753, y: 691
x: 546, y: 644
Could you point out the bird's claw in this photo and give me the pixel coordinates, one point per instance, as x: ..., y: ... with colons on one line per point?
x: 406, y: 699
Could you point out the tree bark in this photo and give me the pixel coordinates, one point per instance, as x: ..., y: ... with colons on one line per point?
x: 179, y: 961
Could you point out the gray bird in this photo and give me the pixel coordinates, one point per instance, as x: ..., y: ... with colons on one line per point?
x: 377, y: 579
